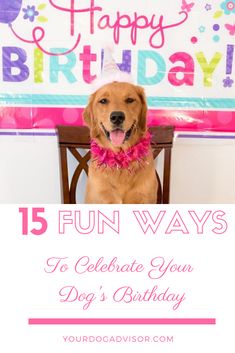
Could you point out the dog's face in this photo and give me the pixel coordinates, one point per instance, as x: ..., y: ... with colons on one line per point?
x: 116, y: 114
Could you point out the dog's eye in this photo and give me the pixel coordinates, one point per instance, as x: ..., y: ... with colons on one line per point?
x: 104, y: 101
x: 129, y: 100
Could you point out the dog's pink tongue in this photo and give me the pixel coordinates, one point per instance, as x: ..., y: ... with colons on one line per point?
x: 117, y: 137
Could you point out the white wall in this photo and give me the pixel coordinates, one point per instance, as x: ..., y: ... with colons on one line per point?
x: 203, y: 169
x: 29, y: 169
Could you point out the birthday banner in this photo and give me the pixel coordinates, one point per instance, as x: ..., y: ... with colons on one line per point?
x: 181, y: 52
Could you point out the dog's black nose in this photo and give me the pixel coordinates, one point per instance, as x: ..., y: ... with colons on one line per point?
x: 117, y: 118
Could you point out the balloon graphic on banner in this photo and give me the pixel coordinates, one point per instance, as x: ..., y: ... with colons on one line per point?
x: 9, y: 10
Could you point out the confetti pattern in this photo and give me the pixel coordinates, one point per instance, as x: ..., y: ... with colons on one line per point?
x: 222, y: 29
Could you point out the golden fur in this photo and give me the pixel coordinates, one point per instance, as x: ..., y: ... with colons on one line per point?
x: 109, y: 185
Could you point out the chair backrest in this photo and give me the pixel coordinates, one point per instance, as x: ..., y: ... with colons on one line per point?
x: 72, y: 138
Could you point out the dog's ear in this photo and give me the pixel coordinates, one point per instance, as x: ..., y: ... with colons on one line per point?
x: 89, y: 119
x: 143, y: 113
x: 87, y: 113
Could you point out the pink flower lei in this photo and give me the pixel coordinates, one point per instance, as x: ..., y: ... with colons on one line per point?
x: 123, y: 159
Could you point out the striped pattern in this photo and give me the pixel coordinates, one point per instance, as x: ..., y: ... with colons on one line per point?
x: 81, y: 100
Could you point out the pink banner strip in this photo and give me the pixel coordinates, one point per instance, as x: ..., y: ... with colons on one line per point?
x: 44, y: 117
x: 121, y: 321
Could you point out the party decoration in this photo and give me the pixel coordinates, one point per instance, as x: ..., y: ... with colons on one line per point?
x: 9, y: 10
x: 54, y: 52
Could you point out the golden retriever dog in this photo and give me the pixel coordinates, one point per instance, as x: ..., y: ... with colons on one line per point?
x: 122, y: 166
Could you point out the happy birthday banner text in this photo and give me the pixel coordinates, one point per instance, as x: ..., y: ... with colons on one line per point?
x: 181, y: 52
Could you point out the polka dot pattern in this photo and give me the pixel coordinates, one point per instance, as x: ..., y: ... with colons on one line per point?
x: 21, y: 118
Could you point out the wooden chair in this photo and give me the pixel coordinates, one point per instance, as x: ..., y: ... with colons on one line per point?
x: 72, y: 138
